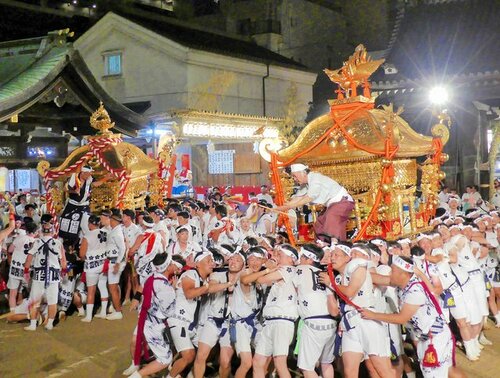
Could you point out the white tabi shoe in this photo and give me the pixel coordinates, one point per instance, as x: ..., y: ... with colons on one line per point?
x: 483, y: 340
x: 115, y: 316
x: 131, y: 369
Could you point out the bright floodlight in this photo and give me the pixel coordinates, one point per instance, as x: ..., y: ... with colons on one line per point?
x: 438, y: 95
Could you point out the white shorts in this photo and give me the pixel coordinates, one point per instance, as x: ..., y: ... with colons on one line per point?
x: 94, y: 278
x: 474, y: 299
x: 210, y: 334
x: 460, y: 309
x: 183, y: 338
x: 244, y: 340
x: 38, y: 292
x: 443, y: 344
x: 276, y: 337
x: 14, y: 283
x: 315, y: 345
x: 369, y: 337
x: 113, y: 278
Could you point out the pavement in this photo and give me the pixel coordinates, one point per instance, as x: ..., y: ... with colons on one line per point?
x: 488, y: 365
x: 71, y: 349
x: 101, y: 349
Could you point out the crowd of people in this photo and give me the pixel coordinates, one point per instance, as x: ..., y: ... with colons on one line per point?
x: 219, y: 273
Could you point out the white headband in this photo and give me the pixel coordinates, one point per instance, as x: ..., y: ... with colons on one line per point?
x: 238, y: 253
x: 423, y: 236
x: 147, y: 224
x: 260, y: 255
x: 87, y: 169
x: 344, y: 248
x: 308, y: 254
x: 400, y: 263
x: 360, y: 250
x: 164, y: 266
x: 379, y: 242
x: 201, y: 256
x: 288, y: 252
x: 298, y: 168
x: 404, y: 241
x: 181, y: 228
x: 226, y: 251
x: 177, y: 264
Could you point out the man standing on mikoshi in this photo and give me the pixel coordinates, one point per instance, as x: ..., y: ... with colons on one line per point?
x: 76, y: 212
x: 322, y: 190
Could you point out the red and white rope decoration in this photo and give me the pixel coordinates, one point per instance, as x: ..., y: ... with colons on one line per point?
x: 96, y: 148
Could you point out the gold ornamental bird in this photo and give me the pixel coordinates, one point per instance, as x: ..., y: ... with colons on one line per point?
x: 358, y: 68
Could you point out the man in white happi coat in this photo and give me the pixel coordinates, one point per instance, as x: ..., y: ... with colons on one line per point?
x: 19, y: 249
x: 247, y: 306
x: 183, y: 247
x: 279, y: 313
x: 116, y: 251
x: 191, y: 287
x: 317, y: 307
x: 93, y: 252
x: 158, y: 303
x: 216, y: 327
x: 361, y: 338
x: 47, y: 259
x: 421, y: 314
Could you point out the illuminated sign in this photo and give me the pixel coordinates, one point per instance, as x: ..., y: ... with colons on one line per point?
x: 43, y: 152
x: 229, y: 131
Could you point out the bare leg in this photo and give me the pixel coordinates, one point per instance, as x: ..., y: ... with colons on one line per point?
x: 114, y: 289
x: 281, y: 366
x: 245, y: 365
x: 12, y: 299
x: 351, y: 361
x: 151, y: 368
x: 382, y: 365
x: 371, y: 369
x: 52, y: 311
x: 327, y: 371
x: 187, y: 357
x: 14, y: 318
x: 226, y: 353
x: 464, y: 328
x: 260, y: 364
x: 201, y: 360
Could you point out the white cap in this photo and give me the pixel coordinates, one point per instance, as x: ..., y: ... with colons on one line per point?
x: 298, y: 168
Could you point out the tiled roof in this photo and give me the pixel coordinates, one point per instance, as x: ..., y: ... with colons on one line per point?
x: 438, y: 39
x: 29, y: 69
x: 212, y: 42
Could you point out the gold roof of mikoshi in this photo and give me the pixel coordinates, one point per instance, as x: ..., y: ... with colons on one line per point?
x: 367, y: 127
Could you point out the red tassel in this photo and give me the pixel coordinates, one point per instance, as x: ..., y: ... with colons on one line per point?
x: 105, y: 267
x: 430, y: 357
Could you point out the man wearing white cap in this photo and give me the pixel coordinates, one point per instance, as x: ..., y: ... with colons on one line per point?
x: 323, y: 190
